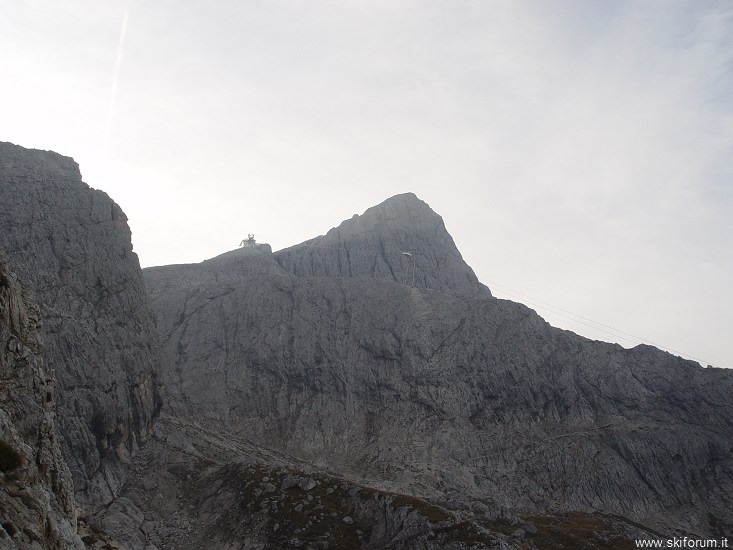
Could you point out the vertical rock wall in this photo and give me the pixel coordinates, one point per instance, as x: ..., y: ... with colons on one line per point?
x: 72, y: 245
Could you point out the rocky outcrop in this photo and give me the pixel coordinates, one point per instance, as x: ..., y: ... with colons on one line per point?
x: 400, y: 240
x: 36, y: 492
x: 71, y: 244
x: 445, y: 392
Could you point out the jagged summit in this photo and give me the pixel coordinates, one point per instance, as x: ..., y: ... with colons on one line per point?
x: 401, y: 239
x: 404, y: 219
x: 402, y: 209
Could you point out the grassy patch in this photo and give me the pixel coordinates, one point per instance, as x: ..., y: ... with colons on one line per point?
x: 577, y: 530
x: 277, y: 513
x: 311, y: 516
x: 464, y: 532
x: 432, y: 513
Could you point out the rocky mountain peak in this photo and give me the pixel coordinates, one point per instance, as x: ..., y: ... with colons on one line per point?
x: 402, y: 210
x: 401, y: 239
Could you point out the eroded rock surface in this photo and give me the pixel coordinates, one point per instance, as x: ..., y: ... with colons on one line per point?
x: 367, y: 369
x: 235, y: 264
x: 400, y: 240
x: 443, y: 391
x: 200, y: 488
x: 36, y: 493
x: 71, y: 244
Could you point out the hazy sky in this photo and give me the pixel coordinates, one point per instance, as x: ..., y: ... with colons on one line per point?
x: 580, y: 152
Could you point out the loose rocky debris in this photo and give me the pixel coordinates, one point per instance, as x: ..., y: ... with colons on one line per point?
x: 229, y: 494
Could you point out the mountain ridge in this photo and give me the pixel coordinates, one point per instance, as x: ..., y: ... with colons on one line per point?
x: 363, y: 386
x: 461, y: 366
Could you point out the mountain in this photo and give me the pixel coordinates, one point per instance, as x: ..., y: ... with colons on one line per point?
x: 362, y: 389
x: 437, y: 389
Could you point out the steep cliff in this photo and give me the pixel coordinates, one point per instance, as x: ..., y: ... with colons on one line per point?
x: 36, y: 493
x: 442, y: 391
x: 71, y: 244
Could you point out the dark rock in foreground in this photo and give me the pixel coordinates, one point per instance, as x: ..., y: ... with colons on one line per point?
x: 71, y: 245
x: 36, y: 492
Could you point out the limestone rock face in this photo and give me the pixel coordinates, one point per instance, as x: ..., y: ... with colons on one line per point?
x: 71, y: 244
x: 36, y: 491
x: 400, y: 240
x: 444, y: 392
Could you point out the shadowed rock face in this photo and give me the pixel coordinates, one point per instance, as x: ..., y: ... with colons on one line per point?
x: 431, y: 391
x: 36, y: 492
x: 71, y: 244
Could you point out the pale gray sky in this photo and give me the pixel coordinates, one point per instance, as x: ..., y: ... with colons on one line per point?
x: 579, y: 151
